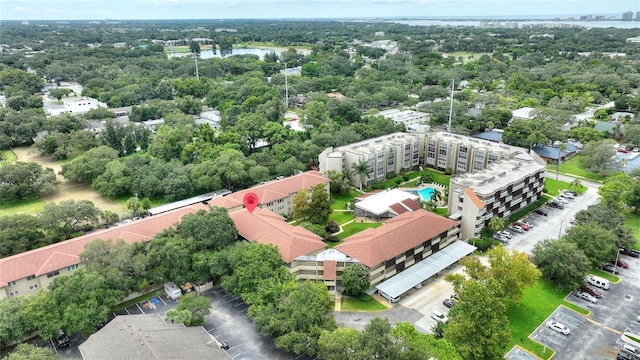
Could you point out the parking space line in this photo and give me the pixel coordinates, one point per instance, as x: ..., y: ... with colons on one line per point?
x: 140, y: 308
x: 160, y: 298
x: 127, y: 311
x: 594, y: 322
x: 613, y: 330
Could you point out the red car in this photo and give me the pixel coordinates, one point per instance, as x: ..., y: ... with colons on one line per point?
x: 524, y: 226
x: 623, y: 264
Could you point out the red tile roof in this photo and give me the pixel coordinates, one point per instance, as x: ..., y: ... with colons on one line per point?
x: 60, y: 255
x: 266, y: 227
x: 279, y: 189
x: 330, y: 270
x: 404, y: 232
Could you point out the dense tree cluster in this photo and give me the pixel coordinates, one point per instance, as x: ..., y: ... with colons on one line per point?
x: 593, y: 241
x: 80, y: 301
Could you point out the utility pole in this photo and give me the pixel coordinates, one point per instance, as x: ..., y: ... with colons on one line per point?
x: 286, y: 88
x: 451, y: 106
x: 195, y: 58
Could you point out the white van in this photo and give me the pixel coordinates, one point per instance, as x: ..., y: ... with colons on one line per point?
x: 172, y: 290
x: 598, y: 281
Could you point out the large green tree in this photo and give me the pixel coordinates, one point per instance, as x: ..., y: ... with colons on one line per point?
x: 67, y: 216
x: 31, y: 352
x: 196, y: 306
x: 478, y: 324
x: 21, y: 180
x: 209, y: 230
x: 13, y: 327
x: 552, y: 259
x: 598, y: 243
x: 355, y: 279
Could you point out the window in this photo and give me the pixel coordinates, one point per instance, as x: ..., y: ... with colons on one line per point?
x: 72, y: 267
x: 11, y: 283
x: 14, y: 293
x: 31, y: 277
x: 34, y: 286
x: 53, y: 273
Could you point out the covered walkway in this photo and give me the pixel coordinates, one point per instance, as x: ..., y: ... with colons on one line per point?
x: 396, y: 286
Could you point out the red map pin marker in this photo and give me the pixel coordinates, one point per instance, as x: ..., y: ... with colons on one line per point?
x: 250, y: 201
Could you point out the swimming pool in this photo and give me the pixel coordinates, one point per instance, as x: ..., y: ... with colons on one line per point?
x: 426, y: 193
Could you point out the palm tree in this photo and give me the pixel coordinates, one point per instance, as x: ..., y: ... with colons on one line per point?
x: 562, y: 147
x: 362, y: 169
x: 576, y: 184
x: 436, y: 196
x: 496, y: 224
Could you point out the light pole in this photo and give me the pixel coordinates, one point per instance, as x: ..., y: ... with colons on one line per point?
x: 560, y: 231
x: 617, y: 258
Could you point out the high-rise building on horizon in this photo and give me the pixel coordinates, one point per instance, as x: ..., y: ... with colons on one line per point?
x: 627, y: 16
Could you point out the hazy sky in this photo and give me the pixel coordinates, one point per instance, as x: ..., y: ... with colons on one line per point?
x: 236, y: 9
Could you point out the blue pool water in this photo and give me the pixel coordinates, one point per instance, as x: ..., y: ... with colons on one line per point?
x: 426, y: 193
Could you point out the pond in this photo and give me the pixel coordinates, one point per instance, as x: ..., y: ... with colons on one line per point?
x: 208, y: 54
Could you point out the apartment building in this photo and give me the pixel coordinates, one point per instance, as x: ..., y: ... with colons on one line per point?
x: 27, y: 273
x: 406, y: 117
x: 498, y: 190
x: 457, y: 154
x: 385, y: 154
x: 276, y: 195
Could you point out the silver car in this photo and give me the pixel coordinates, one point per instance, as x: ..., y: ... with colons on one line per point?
x: 586, y: 296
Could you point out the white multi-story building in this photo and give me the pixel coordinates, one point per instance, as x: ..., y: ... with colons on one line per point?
x: 407, y: 117
x: 457, y: 154
x: 499, y: 190
x: 385, y: 154
x: 75, y: 105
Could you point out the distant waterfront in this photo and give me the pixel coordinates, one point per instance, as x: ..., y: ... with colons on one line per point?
x: 547, y: 23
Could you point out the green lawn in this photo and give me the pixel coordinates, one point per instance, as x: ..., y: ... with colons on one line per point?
x: 341, y: 217
x: 365, y: 303
x: 573, y: 167
x: 339, y: 201
x: 633, y: 221
x: 606, y: 275
x: 553, y: 187
x: 536, y: 305
x: 355, y: 228
x: 7, y: 156
x: 441, y: 179
x: 442, y: 212
x: 30, y: 206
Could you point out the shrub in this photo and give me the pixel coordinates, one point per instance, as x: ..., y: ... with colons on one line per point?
x: 333, y: 238
x: 483, y: 244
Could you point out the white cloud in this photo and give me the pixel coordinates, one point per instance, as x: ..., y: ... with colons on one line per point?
x: 22, y: 9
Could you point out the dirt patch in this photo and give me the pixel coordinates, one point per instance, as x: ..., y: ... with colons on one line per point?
x: 67, y: 189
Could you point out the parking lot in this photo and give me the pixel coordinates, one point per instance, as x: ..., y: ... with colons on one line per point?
x: 228, y: 322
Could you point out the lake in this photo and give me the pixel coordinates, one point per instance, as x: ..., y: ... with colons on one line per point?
x: 208, y: 54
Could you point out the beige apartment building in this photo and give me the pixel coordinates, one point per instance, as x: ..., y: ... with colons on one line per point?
x: 391, y: 153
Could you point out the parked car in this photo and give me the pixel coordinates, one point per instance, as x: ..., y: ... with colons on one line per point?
x: 590, y: 290
x: 454, y: 297
x: 555, y: 204
x: 611, y: 268
x: 561, y: 200
x: 621, y: 263
x: 524, y: 227
x: 624, y: 356
x: 448, y: 303
x: 571, y: 192
x: 541, y: 212
x: 438, y: 316
x: 586, y: 296
x: 516, y: 228
x: 529, y: 224
x: 505, y: 234
x: 224, y: 345
x: 501, y: 238
x: 630, y: 350
x: 630, y: 252
x: 63, y: 340
x: 556, y: 326
x: 567, y: 195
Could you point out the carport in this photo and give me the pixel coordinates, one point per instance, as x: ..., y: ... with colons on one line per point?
x: 396, y: 286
